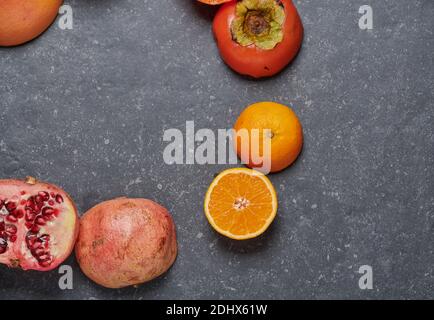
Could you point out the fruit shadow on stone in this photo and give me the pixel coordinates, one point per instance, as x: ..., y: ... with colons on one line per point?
x: 284, y: 73
x: 202, y: 10
x: 147, y: 289
x: 250, y: 246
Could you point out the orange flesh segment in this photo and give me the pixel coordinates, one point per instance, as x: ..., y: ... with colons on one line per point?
x: 239, y: 186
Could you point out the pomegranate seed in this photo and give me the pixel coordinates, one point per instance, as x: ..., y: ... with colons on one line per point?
x: 35, y: 228
x: 2, y: 224
x: 52, y: 194
x: 44, y: 257
x: 29, y: 225
x: 22, y: 192
x: 11, y: 229
x: 44, y: 195
x: 3, y: 249
x: 11, y: 218
x: 59, y: 198
x: 13, y: 238
x: 39, y: 199
x: 23, y: 202
x: 51, y: 202
x: 40, y: 221
x: 38, y: 208
x: 19, y: 213
x: 40, y: 252
x: 31, y: 239
x: 49, y: 218
x: 36, y: 244
x: 47, y: 211
x: 11, y: 206
x: 30, y: 202
x: 30, y: 216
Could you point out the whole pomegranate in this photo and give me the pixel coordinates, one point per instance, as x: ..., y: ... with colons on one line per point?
x: 38, y: 224
x: 125, y: 242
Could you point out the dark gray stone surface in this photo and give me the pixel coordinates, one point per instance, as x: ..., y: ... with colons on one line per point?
x: 86, y: 109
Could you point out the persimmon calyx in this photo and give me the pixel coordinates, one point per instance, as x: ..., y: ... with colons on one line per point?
x: 259, y: 23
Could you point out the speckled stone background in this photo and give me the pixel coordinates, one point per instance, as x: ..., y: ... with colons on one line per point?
x: 86, y: 109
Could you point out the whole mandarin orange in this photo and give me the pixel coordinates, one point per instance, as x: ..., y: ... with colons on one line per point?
x: 285, y: 134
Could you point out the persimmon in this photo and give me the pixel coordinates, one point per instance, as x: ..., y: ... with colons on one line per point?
x: 258, y: 38
x: 24, y: 20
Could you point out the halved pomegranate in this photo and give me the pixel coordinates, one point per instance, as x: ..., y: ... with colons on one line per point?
x: 38, y: 224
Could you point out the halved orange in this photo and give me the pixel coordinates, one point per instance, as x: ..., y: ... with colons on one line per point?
x: 241, y: 203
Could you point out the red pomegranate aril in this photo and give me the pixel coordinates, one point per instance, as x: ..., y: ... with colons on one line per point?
x: 35, y: 228
x: 3, y: 249
x: 38, y: 208
x: 44, y: 195
x: 36, y: 244
x: 52, y: 194
x: 30, y: 203
x: 31, y: 239
x: 47, y: 211
x: 11, y: 218
x: 44, y: 257
x: 2, y: 224
x: 40, y: 221
x: 51, y: 202
x: 39, y: 199
x: 30, y: 216
x: 11, y: 206
x: 19, y: 213
x: 23, y: 202
x: 13, y: 238
x: 59, y: 199
x: 48, y: 218
x: 29, y: 225
x: 11, y: 229
x: 14, y: 213
x: 39, y: 252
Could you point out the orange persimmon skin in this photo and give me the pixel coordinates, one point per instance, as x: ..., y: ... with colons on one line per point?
x: 24, y: 20
x: 251, y: 60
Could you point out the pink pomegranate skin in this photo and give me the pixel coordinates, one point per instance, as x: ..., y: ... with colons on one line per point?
x: 125, y: 242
